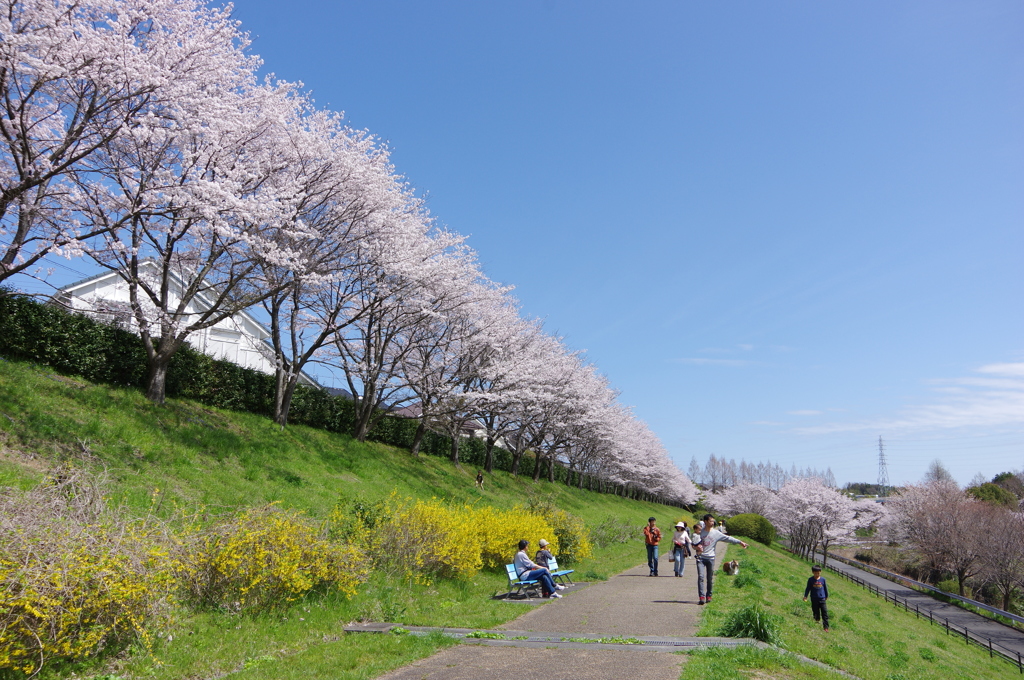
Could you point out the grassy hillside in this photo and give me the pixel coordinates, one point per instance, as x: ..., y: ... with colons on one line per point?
x: 187, y: 455
x: 869, y: 638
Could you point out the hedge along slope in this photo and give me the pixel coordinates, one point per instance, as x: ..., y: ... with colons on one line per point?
x: 74, y: 344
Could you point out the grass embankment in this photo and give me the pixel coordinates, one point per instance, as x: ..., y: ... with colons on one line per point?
x: 184, y: 455
x: 868, y: 638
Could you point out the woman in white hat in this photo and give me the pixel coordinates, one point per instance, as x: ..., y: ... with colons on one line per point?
x: 680, y: 547
x: 543, y: 555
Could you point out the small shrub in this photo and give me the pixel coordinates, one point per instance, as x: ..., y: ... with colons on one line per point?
x: 754, y: 527
x: 75, y: 578
x: 263, y: 559
x: 754, y: 621
x: 574, y: 539
x: 746, y: 580
x: 863, y: 556
x: 611, y: 531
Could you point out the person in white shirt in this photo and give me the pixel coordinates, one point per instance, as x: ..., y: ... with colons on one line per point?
x: 709, y: 538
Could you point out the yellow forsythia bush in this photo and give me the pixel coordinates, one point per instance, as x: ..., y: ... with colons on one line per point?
x: 263, y: 559
x: 574, y: 543
x: 434, y: 538
x: 410, y: 537
x: 501, y: 530
x: 70, y: 589
x: 574, y: 539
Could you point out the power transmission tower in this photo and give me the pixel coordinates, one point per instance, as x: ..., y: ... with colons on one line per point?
x: 883, y: 470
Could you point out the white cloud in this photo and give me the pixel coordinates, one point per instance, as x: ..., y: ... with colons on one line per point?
x: 1011, y: 370
x: 961, y: 402
x: 705, y: 361
x: 804, y: 412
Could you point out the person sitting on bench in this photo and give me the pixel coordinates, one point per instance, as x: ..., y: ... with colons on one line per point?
x: 528, y: 570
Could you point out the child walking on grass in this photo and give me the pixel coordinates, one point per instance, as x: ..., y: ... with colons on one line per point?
x: 818, y: 591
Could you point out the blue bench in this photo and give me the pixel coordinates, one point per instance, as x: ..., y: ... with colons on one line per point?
x: 515, y: 583
x: 559, y: 575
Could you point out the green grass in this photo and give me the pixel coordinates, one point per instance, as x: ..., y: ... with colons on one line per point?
x: 185, y: 455
x: 869, y: 638
x: 743, y: 663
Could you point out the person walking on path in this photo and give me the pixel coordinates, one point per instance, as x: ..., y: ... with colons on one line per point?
x: 818, y: 590
x: 652, y: 537
x: 680, y: 547
x: 709, y: 538
x: 527, y: 570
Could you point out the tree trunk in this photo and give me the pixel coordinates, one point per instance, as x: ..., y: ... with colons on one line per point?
x: 417, y: 439
x: 283, y: 397
x: 159, y: 361
x: 536, y: 467
x: 156, y: 388
x: 455, y: 449
x: 551, y: 468
x: 516, y: 457
x: 489, y: 455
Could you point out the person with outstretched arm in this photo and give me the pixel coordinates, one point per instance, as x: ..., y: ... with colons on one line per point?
x: 709, y: 537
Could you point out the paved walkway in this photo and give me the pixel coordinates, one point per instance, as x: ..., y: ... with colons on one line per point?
x: 630, y: 604
x: 981, y: 628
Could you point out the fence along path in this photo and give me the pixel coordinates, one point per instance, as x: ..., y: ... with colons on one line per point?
x: 972, y: 628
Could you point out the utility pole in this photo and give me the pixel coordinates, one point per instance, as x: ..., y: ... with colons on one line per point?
x: 883, y: 470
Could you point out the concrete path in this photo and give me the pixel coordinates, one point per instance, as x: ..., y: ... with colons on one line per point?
x: 982, y: 629
x: 630, y: 604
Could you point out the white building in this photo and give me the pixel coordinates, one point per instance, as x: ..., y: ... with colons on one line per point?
x: 240, y: 339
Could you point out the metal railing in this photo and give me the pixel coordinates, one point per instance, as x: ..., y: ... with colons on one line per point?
x: 918, y: 585
x: 969, y: 636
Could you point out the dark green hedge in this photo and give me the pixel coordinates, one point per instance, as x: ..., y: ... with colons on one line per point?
x: 754, y: 527
x: 77, y: 345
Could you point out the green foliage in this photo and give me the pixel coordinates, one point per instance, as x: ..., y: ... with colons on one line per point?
x: 754, y: 621
x: 752, y: 526
x: 746, y: 579
x: 611, y: 530
x: 573, y: 537
x: 993, y: 493
x: 73, y: 344
x: 747, y: 661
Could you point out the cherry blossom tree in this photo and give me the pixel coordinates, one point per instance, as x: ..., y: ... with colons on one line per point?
x: 934, y: 518
x: 74, y: 76
x: 742, y: 498
x: 814, y: 515
x: 1002, y: 560
x: 190, y: 202
x: 348, y: 195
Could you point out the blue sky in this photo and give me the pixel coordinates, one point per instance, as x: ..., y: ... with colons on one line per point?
x: 781, y: 229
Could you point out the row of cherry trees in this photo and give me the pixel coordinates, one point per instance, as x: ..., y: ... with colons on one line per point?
x: 945, y: 529
x: 950, y: 531
x: 811, y: 513
x: 137, y: 133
